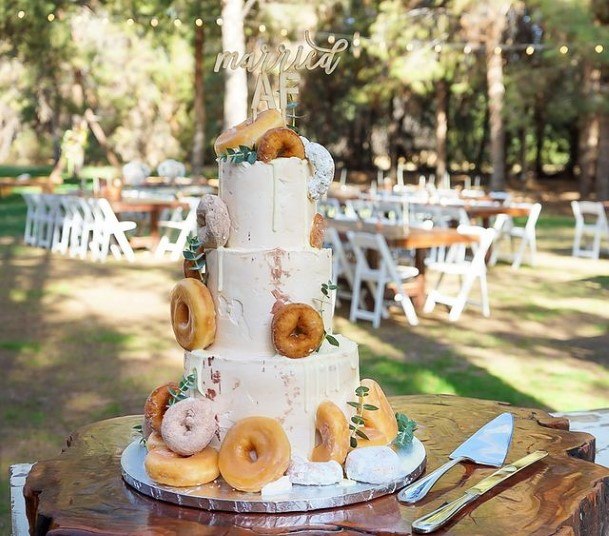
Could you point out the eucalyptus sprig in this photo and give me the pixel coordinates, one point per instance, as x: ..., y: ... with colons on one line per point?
x: 325, y: 290
x: 327, y: 287
x: 240, y: 155
x: 357, y: 420
x: 139, y: 429
x: 406, y: 428
x: 195, y: 254
x: 187, y: 383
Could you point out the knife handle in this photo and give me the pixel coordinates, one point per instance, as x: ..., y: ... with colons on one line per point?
x: 417, y: 490
x: 434, y: 520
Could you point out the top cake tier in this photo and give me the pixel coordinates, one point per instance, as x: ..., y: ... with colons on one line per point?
x: 268, y: 203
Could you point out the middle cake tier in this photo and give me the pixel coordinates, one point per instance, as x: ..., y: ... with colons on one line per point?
x: 249, y: 285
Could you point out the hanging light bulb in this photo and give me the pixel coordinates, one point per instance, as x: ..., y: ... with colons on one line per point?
x: 130, y: 22
x: 177, y: 23
x: 564, y: 49
x: 467, y: 49
x: 199, y: 22
x: 21, y: 14
x: 262, y: 28
x: 438, y: 48
x: 599, y: 49
x: 284, y: 32
x: 356, y: 39
x: 154, y: 22
x: 219, y: 21
x: 530, y: 50
x: 497, y: 51
x: 331, y: 39
x: 409, y: 47
x: 51, y: 17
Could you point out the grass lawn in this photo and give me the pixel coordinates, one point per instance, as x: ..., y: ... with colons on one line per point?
x: 81, y: 341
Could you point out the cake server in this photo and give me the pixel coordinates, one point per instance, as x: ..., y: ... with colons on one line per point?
x: 488, y: 446
x: 436, y: 519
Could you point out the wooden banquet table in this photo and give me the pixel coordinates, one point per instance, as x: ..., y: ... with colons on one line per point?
x: 486, y: 212
x: 154, y: 207
x: 81, y: 490
x: 418, y: 239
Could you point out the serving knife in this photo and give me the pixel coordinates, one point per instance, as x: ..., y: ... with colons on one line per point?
x: 488, y: 446
x: 436, y: 519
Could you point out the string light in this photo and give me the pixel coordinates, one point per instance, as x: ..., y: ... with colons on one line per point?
x: 154, y: 22
x: 331, y: 39
x: 219, y: 21
x: 51, y: 17
x: 599, y: 49
x: 262, y: 28
x: 356, y: 39
x: 530, y: 50
x: 438, y: 48
x: 409, y: 47
x: 177, y: 23
x: 21, y: 14
x: 564, y: 49
x: 199, y: 22
x: 497, y: 51
x: 467, y: 49
x: 283, y: 32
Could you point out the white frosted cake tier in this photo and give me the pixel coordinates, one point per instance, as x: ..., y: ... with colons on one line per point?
x: 289, y: 390
x: 268, y: 204
x: 246, y: 284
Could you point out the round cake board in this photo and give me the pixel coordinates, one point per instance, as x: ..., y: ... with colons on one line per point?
x: 218, y: 495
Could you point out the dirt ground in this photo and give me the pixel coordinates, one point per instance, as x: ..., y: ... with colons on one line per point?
x: 80, y: 341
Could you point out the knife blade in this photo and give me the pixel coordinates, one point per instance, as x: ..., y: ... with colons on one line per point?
x: 436, y: 519
x: 487, y: 446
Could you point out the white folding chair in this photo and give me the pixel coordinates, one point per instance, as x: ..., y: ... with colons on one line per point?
x: 526, y: 235
x: 341, y: 267
x: 328, y: 208
x: 467, y: 271
x: 46, y: 217
x: 108, y: 229
x: 32, y: 202
x: 65, y: 218
x: 84, y: 232
x: 181, y: 224
x: 377, y: 278
x: 584, y: 211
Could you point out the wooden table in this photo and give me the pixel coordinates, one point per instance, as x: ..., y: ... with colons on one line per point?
x: 81, y: 491
x: 418, y: 239
x: 154, y: 207
x: 486, y: 212
x: 46, y: 184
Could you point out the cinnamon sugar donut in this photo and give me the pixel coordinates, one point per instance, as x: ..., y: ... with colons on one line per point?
x: 213, y: 222
x: 188, y: 426
x: 318, y: 230
x: 248, y: 132
x: 193, y: 316
x: 254, y: 452
x: 280, y: 142
x: 156, y: 406
x: 297, y: 330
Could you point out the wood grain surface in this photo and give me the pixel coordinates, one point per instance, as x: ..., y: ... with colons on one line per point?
x: 80, y: 492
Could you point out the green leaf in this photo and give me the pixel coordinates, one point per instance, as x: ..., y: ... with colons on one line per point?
x: 406, y: 428
x: 356, y: 419
x: 353, y: 405
x: 332, y: 340
x: 361, y: 434
x: 351, y: 427
x: 362, y: 390
x: 353, y: 442
x: 370, y: 407
x: 189, y: 255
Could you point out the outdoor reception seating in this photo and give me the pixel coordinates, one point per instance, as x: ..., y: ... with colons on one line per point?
x: 467, y: 272
x: 590, y: 224
x: 182, y: 222
x: 377, y: 278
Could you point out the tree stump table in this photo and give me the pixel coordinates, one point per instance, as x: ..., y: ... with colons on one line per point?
x: 81, y: 491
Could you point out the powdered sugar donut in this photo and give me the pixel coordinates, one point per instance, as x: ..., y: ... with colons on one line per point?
x: 323, y: 168
x: 375, y: 465
x: 213, y: 222
x: 306, y: 473
x: 188, y: 426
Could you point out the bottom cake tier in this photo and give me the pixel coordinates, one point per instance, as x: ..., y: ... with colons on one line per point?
x: 289, y: 390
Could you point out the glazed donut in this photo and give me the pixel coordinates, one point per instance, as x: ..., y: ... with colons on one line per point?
x: 318, y: 229
x: 248, y: 132
x: 156, y: 406
x: 254, y: 452
x: 322, y: 163
x: 193, y: 316
x: 166, y: 467
x: 333, y: 429
x: 279, y: 142
x: 380, y: 425
x: 213, y: 222
x: 297, y: 330
x: 188, y: 426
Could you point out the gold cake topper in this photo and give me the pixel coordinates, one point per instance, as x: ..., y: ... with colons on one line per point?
x: 287, y: 63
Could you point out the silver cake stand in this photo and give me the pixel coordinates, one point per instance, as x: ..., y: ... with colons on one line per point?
x: 218, y: 495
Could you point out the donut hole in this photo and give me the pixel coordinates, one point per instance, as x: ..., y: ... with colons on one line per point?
x: 182, y: 314
x: 253, y: 455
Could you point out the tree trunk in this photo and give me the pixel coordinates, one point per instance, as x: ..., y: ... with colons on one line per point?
x: 589, y: 137
x: 602, y: 168
x: 573, y: 150
x: 496, y: 92
x: 483, y: 139
x: 198, y: 142
x: 524, y: 162
x: 235, y: 81
x: 441, y: 127
x: 100, y: 135
x: 540, y: 128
